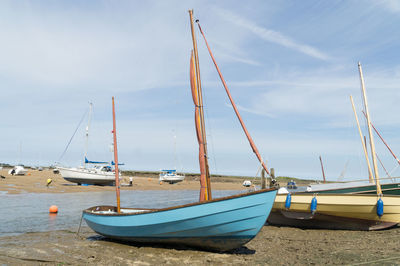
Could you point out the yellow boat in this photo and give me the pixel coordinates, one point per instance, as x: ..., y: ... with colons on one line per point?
x: 336, y: 211
x: 340, y: 211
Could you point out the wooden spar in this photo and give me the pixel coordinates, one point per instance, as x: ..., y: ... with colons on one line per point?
x: 365, y: 142
x: 117, y: 186
x: 371, y: 137
x: 384, y: 142
x: 253, y: 146
x: 322, y: 167
x: 263, y: 183
x: 207, y: 194
x: 371, y: 177
x: 202, y: 162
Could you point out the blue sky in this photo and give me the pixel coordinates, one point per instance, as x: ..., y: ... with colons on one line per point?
x: 290, y: 65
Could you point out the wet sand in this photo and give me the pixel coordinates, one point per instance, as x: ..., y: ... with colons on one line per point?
x: 272, y: 246
x: 35, y: 182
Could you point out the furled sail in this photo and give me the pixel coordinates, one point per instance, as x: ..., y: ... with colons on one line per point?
x: 202, y: 155
x: 94, y: 162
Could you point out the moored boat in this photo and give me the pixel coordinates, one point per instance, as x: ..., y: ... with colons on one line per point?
x: 388, y: 186
x: 92, y: 172
x: 17, y: 170
x: 353, y: 187
x: 340, y: 211
x: 170, y: 176
x: 218, y: 224
x: 222, y: 224
x: 98, y: 175
x: 335, y: 211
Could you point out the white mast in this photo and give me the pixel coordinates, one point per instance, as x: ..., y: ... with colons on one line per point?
x: 371, y: 177
x: 371, y: 138
x: 87, y: 133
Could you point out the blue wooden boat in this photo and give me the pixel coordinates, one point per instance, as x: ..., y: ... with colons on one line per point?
x: 220, y: 224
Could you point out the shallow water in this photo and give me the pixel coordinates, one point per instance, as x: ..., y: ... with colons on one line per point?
x: 22, y: 213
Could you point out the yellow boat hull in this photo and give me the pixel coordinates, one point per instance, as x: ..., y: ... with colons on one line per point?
x: 336, y: 211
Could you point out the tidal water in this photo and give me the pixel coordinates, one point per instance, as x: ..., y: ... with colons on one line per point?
x: 22, y: 213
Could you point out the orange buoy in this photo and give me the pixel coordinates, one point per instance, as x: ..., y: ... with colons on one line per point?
x: 53, y: 209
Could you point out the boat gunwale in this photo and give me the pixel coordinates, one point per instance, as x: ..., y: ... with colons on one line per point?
x: 356, y: 192
x: 91, y: 209
x: 334, y: 194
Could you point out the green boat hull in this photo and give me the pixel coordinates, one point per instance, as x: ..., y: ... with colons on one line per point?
x: 387, y: 189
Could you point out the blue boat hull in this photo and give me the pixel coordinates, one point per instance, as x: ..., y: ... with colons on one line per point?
x: 222, y: 224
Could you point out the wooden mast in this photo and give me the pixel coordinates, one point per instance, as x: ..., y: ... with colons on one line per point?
x: 207, y: 192
x: 322, y: 168
x: 117, y: 186
x: 371, y: 137
x: 371, y: 177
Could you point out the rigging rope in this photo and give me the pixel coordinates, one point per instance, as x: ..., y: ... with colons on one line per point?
x: 251, y: 142
x: 70, y: 140
x: 394, y: 169
x: 388, y: 175
x: 210, y: 128
x: 384, y: 142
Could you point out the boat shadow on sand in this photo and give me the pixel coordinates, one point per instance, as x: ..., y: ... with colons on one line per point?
x: 238, y: 251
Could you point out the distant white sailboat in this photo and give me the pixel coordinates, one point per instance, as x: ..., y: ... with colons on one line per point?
x: 17, y: 170
x: 97, y: 175
x: 100, y: 174
x: 171, y: 176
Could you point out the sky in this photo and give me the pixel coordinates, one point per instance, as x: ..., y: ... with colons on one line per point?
x: 290, y: 66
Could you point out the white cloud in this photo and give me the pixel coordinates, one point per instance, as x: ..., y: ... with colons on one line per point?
x: 324, y: 94
x: 56, y: 57
x: 72, y: 48
x: 254, y: 111
x: 230, y: 52
x: 272, y: 36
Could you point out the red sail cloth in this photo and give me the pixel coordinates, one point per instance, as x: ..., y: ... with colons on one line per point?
x: 202, y: 162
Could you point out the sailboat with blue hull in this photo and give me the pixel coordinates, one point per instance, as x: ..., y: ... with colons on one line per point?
x: 222, y: 224
x: 218, y: 224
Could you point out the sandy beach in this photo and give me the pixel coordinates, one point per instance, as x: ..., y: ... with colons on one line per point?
x: 35, y: 182
x: 272, y: 246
